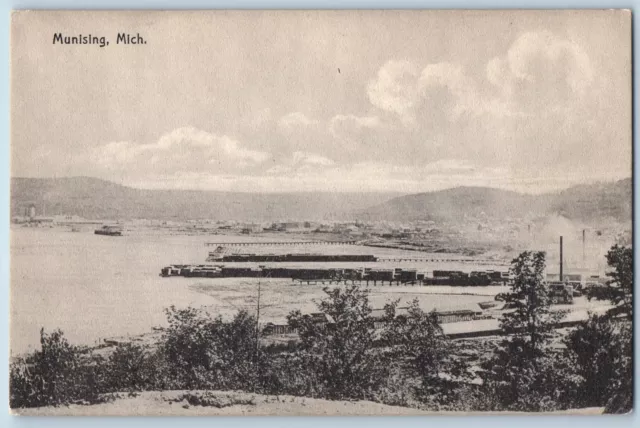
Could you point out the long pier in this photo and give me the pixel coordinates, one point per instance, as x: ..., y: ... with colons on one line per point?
x: 443, y: 259
x: 248, y: 244
x: 357, y: 281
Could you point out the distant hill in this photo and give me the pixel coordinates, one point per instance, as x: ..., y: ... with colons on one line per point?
x: 585, y: 202
x: 98, y: 199
x: 93, y: 198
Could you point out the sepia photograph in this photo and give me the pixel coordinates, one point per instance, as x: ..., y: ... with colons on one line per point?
x: 321, y: 213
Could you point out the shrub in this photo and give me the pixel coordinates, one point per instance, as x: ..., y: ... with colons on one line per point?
x: 206, y: 353
x: 595, y: 348
x: 133, y: 368
x: 620, y: 391
x: 58, y: 374
x: 619, y: 290
x: 416, y: 339
x: 517, y: 382
x: 339, y: 356
x: 415, y: 335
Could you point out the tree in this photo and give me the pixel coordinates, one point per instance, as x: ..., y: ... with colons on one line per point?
x: 618, y: 290
x: 339, y: 353
x: 621, y: 386
x: 529, y: 319
x: 417, y: 338
x: 524, y: 374
x: 595, y: 347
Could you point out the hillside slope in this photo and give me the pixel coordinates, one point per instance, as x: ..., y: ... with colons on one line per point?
x: 98, y: 199
x: 595, y: 202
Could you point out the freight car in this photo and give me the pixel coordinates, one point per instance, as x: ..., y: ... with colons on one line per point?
x: 202, y: 271
x: 406, y: 275
x: 241, y: 272
x: 380, y: 275
x: 479, y: 278
x: 315, y: 274
x: 475, y: 278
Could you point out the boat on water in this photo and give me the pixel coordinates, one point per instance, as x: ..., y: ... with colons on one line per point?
x: 109, y: 231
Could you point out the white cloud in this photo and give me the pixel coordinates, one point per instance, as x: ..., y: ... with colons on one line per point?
x: 308, y: 175
x: 364, y: 176
x: 540, y: 72
x: 441, y: 91
x: 311, y: 159
x: 120, y: 152
x: 182, y: 149
x: 521, y: 124
x: 295, y: 120
x: 459, y: 86
x: 346, y: 125
x: 301, y: 162
x: 449, y: 165
x: 358, y: 122
x: 395, y: 88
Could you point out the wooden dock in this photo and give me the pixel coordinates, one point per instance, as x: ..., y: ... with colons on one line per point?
x: 283, y: 243
x: 366, y: 282
x: 445, y: 259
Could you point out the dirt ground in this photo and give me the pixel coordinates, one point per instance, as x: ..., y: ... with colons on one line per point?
x: 155, y: 403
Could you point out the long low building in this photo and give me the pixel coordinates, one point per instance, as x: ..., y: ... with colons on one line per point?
x: 460, y: 324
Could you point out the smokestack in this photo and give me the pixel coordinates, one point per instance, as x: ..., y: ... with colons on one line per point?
x: 561, y: 257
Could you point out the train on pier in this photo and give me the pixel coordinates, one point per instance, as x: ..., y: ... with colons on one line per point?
x: 368, y: 275
x: 449, y: 277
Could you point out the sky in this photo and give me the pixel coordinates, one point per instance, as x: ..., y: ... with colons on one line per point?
x: 374, y: 101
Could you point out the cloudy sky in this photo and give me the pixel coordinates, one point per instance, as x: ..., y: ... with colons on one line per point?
x: 339, y: 101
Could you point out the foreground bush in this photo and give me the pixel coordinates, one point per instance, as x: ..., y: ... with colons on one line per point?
x: 339, y: 356
x: 202, y: 352
x: 134, y: 368
x: 59, y: 373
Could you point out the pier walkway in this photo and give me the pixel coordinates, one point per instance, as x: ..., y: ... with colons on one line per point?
x: 260, y: 243
x: 445, y: 259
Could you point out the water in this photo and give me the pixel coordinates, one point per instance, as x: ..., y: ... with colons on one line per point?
x: 93, y: 287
